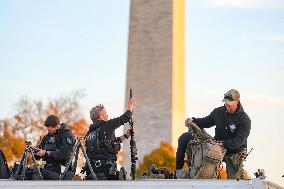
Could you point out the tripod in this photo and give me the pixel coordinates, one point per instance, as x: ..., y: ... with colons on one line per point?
x: 23, y: 163
x: 75, y: 152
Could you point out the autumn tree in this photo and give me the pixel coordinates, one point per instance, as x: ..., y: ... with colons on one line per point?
x: 80, y: 127
x: 27, y: 123
x: 10, y: 144
x: 31, y: 114
x: 164, y: 156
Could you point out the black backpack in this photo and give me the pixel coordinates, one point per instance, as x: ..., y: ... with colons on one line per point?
x: 4, y: 171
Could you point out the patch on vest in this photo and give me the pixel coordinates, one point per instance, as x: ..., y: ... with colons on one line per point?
x: 69, y: 140
x: 51, y: 140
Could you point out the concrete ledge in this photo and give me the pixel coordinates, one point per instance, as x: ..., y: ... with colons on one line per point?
x: 141, y: 184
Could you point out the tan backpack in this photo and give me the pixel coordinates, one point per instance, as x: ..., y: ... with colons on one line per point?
x: 206, y: 155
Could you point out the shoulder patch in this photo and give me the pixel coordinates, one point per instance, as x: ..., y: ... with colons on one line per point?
x: 69, y: 140
x: 51, y: 139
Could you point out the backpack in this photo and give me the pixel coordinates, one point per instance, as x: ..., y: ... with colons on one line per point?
x: 4, y: 171
x: 206, y: 155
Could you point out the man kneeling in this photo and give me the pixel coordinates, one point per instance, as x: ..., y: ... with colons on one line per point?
x: 55, y: 148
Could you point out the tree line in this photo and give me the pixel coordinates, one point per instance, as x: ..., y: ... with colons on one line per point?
x: 28, y: 122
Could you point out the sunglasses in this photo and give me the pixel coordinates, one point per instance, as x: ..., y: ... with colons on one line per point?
x: 100, y: 105
x: 229, y: 97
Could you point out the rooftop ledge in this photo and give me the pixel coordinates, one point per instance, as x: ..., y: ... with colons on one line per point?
x: 141, y: 184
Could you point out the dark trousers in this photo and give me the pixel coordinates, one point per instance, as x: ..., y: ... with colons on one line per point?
x: 183, y: 141
x: 234, y: 165
x: 104, y: 172
x: 49, y: 173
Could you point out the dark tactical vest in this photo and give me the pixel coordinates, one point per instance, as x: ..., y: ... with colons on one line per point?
x: 99, y: 146
x: 52, y: 144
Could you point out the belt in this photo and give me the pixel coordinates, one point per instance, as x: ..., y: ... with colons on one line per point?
x: 51, y: 165
x: 99, y: 163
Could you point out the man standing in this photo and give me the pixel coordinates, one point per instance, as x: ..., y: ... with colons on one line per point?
x: 101, y: 143
x: 55, y: 148
x: 232, y: 130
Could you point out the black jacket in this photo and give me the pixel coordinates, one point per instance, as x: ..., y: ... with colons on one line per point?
x: 107, y: 132
x: 59, y: 144
x: 231, y: 128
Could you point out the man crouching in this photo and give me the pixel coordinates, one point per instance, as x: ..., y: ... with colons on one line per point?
x: 55, y: 148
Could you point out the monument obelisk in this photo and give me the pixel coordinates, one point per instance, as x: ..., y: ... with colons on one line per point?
x: 155, y: 72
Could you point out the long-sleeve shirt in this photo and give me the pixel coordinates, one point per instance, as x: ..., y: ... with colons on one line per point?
x: 232, y: 129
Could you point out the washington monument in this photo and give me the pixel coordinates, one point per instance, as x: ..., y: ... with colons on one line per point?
x: 155, y: 72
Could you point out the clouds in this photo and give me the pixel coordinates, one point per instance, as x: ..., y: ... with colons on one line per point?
x: 274, y: 72
x: 258, y: 101
x: 271, y: 37
x: 202, y: 100
x: 247, y: 4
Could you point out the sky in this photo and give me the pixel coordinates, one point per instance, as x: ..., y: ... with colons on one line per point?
x: 52, y: 48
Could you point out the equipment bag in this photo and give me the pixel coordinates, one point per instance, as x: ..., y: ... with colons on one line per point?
x: 4, y: 171
x: 206, y: 159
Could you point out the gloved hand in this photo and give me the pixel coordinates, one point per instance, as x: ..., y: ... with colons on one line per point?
x: 131, y: 104
x: 129, y: 132
x: 188, y: 121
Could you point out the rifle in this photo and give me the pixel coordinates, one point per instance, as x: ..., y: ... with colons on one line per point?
x: 246, y: 155
x: 133, y: 149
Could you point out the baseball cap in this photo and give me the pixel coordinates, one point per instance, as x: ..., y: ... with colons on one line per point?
x: 231, y: 96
